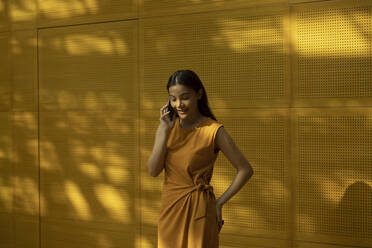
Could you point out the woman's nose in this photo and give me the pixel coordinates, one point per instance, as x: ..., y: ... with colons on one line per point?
x: 179, y: 104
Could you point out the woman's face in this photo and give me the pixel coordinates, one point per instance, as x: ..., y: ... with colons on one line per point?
x: 184, y: 101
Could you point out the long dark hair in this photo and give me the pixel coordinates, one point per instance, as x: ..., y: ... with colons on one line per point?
x: 189, y: 79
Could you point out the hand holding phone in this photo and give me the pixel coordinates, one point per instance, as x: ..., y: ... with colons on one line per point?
x: 167, y: 115
x: 169, y: 108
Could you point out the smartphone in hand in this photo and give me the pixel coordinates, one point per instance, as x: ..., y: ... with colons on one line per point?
x: 169, y: 108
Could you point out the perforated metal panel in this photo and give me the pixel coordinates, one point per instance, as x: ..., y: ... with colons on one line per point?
x: 24, y: 70
x: 301, y: 244
x: 26, y: 230
x: 61, y: 12
x: 22, y: 14
x: 26, y: 179
x: 5, y: 72
x: 4, y: 16
x: 88, y: 142
x: 89, y: 150
x: 240, y: 56
x: 332, y: 151
x: 262, y: 206
x: 89, y: 67
x: 333, y: 53
x: 6, y: 183
x: 88, y: 178
x: 151, y: 8
x: 151, y: 187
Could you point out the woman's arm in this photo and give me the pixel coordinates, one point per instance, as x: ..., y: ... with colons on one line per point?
x: 156, y: 161
x: 244, y: 170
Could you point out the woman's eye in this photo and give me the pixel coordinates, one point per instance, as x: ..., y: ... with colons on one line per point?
x: 182, y: 99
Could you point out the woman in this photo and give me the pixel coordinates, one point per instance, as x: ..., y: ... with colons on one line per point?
x: 186, y: 146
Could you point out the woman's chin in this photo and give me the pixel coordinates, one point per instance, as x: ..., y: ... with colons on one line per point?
x: 182, y: 115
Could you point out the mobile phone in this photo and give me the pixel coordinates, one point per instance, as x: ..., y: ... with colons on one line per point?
x: 169, y: 108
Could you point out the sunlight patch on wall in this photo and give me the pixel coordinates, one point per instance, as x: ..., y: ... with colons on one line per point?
x: 331, y: 190
x: 80, y: 124
x: 91, y: 100
x: 117, y: 173
x: 27, y: 194
x: 144, y: 242
x: 274, y: 190
x: 307, y: 222
x: 66, y: 99
x: 67, y: 8
x: 112, y: 199
x: 81, y: 44
x: 77, y: 200
x: 335, y: 33
x: 244, y: 36
x: 26, y: 120
x: 90, y: 170
x: 97, y: 153
x: 15, y: 46
x: 49, y: 157
x: 22, y: 10
x: 6, y: 196
x: 2, y: 153
x: 112, y: 99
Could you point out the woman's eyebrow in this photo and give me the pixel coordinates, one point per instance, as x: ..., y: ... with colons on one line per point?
x: 182, y: 93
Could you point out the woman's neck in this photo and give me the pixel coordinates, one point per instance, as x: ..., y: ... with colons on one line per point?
x: 191, y: 123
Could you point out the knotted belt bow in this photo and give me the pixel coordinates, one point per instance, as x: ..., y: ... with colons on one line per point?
x: 202, y: 205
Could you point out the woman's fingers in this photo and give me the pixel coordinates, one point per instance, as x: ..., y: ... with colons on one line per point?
x: 162, y: 109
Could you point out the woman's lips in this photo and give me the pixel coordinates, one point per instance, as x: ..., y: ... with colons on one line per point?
x: 181, y: 112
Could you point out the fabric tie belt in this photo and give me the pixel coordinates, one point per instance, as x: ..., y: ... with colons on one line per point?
x: 202, y: 204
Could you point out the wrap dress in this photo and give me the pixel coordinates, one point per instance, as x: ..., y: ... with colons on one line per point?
x: 188, y: 217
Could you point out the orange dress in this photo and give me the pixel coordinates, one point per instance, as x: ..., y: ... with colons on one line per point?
x: 188, y: 217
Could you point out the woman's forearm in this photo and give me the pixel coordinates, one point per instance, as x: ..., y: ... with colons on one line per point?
x: 241, y: 177
x: 155, y: 164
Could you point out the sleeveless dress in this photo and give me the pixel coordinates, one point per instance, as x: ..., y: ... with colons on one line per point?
x: 188, y: 217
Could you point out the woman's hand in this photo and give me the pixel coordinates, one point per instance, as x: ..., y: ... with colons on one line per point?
x: 165, y: 119
x: 220, y: 221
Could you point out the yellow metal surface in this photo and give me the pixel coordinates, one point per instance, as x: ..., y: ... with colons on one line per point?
x: 82, y: 82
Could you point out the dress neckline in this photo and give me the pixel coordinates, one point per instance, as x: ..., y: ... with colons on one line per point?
x: 193, y: 128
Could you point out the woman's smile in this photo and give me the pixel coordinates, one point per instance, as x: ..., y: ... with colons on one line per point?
x: 181, y: 112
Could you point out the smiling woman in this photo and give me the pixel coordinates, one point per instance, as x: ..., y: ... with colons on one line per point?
x: 186, y: 148
x: 189, y: 100
x: 185, y: 96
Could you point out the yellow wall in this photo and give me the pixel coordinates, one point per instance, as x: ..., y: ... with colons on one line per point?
x: 82, y: 82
